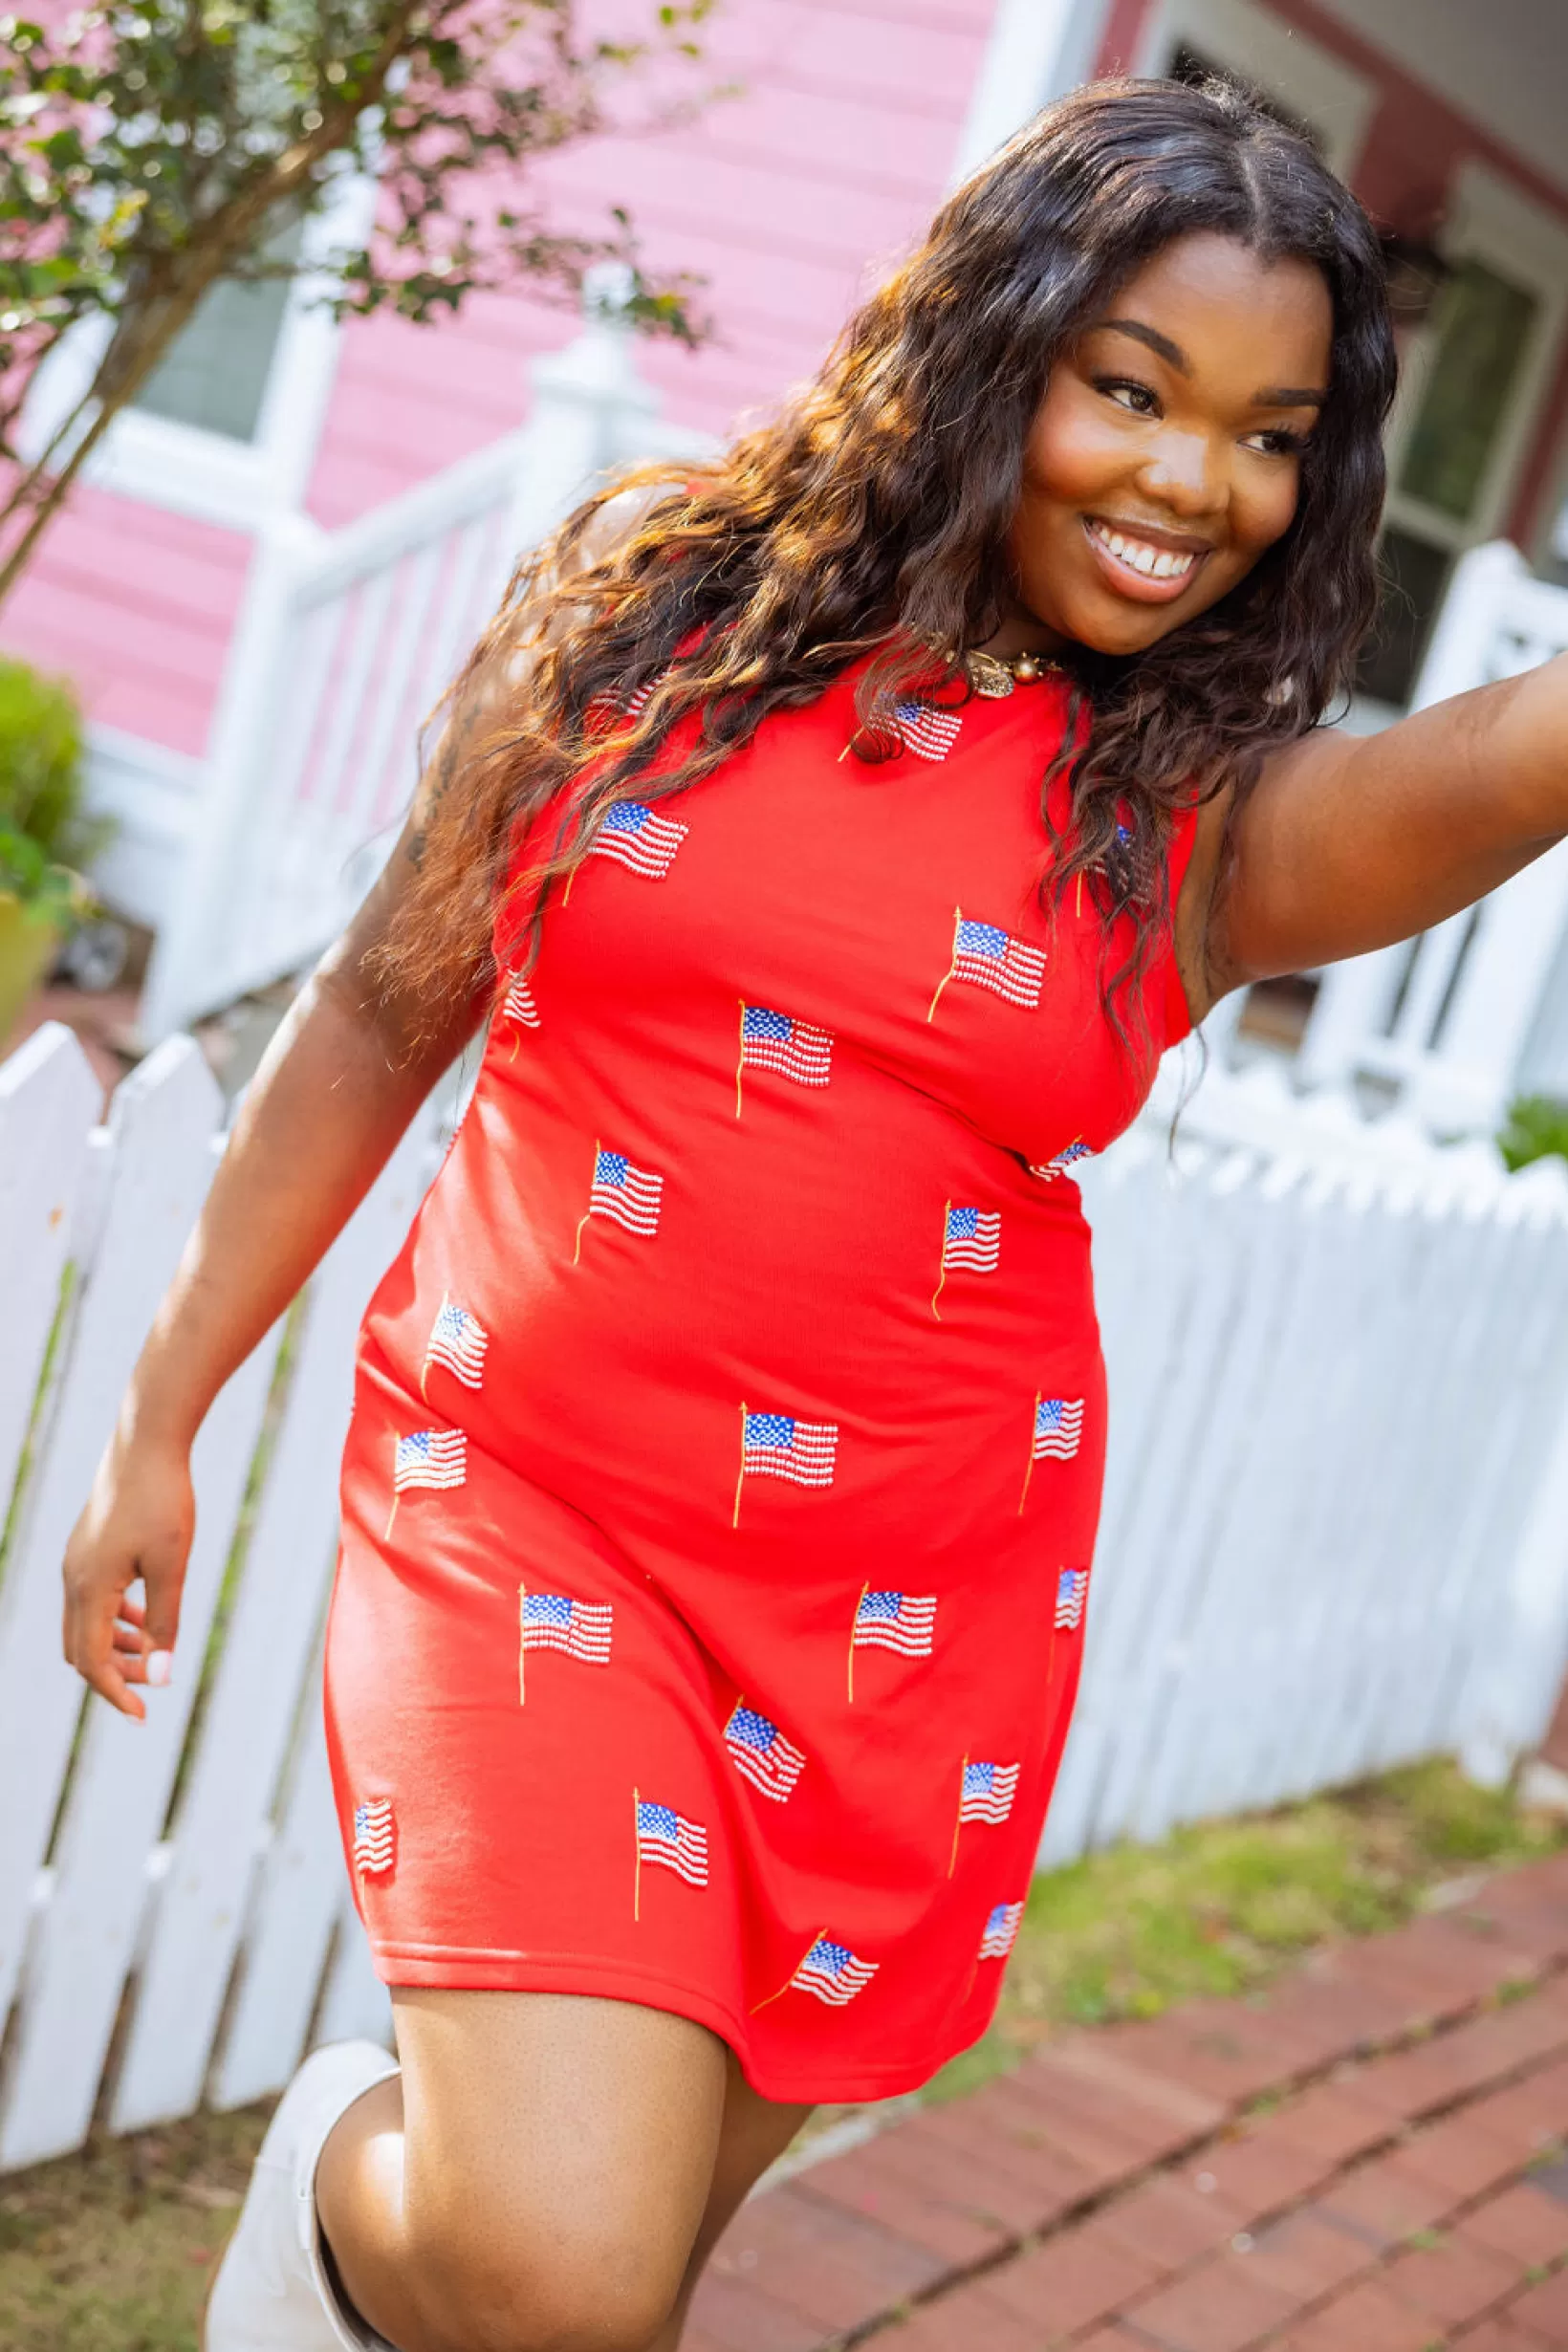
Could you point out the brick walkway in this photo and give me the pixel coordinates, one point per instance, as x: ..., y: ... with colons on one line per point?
x: 1370, y: 2158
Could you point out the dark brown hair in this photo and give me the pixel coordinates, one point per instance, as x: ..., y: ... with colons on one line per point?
x: 870, y: 517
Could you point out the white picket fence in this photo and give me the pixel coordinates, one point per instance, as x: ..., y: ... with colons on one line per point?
x: 345, y: 641
x: 1332, y: 1540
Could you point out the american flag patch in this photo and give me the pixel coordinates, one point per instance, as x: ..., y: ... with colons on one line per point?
x: 1059, y: 1425
x: 605, y: 709
x: 458, y: 1340
x: 431, y: 1458
x: 518, y: 1005
x: 628, y: 1194
x: 796, y: 1049
x: 831, y: 1971
x: 988, y: 1792
x: 374, y: 1837
x: 1001, y: 1930
x: 554, y: 1620
x: 777, y: 1446
x: 904, y: 1622
x: 993, y: 959
x: 973, y: 1238
x: 638, y: 838
x: 759, y: 1751
x: 929, y: 733
x: 669, y: 1838
x: 1071, y: 1592
x: 1062, y: 1162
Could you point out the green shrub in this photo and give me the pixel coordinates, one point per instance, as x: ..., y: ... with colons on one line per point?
x: 45, y: 835
x: 1536, y: 1126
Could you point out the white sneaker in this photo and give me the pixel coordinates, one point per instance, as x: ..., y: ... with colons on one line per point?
x: 272, y: 2293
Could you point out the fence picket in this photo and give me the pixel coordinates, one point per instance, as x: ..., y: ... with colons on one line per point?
x: 298, y: 1902
x: 118, y: 1794
x: 49, y: 1100
x: 161, y: 1125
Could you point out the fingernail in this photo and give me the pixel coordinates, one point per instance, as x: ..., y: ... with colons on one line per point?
x: 159, y: 1666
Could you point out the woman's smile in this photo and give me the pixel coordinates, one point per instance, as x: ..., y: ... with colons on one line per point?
x: 1149, y: 565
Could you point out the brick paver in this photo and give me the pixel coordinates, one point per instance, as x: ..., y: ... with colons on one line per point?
x: 1367, y: 2158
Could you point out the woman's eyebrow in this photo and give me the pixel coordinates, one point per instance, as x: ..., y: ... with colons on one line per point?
x: 1288, y: 396
x: 1161, y: 344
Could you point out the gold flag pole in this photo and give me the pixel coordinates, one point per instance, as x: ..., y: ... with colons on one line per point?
x: 958, y: 916
x: 741, y: 1063
x: 864, y: 1589
x: 740, y: 1474
x: 637, y: 1866
x: 577, y: 1247
x: 793, y: 1973
x: 959, y: 1823
x: 1029, y: 1472
x: 522, y: 1641
x: 947, y: 1213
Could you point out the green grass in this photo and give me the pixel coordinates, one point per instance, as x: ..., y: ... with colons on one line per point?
x: 110, y: 2251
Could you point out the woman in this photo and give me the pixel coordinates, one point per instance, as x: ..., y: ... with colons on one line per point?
x: 835, y: 844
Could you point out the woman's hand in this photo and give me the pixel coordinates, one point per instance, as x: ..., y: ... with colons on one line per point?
x: 138, y: 1523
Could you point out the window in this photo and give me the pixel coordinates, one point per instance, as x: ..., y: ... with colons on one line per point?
x: 214, y: 373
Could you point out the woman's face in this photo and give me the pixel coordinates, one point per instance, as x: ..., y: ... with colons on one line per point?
x: 1165, y: 456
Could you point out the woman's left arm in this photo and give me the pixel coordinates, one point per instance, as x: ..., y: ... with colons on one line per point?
x: 1348, y: 842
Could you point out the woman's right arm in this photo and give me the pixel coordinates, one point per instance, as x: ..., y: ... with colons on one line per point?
x: 345, y: 1074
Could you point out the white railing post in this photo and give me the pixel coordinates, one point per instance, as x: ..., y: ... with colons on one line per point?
x: 589, y: 401
x: 251, y: 703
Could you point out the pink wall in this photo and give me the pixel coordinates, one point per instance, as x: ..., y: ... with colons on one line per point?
x: 136, y: 606
x: 790, y: 200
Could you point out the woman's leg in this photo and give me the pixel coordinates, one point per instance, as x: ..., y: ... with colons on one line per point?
x: 541, y: 2177
x: 756, y: 2130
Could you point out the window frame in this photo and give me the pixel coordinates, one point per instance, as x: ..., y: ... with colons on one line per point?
x: 1336, y: 101
x: 186, y: 468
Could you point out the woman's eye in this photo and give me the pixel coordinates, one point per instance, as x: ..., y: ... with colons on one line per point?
x: 1140, y: 398
x: 1278, y: 442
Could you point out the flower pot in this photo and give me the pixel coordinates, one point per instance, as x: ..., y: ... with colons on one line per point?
x: 30, y: 937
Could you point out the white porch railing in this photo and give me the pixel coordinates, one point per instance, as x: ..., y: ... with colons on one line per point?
x: 345, y: 641
x: 1338, y: 1482
x: 1444, y: 1020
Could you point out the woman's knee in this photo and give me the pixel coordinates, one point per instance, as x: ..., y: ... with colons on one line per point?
x: 504, y: 2286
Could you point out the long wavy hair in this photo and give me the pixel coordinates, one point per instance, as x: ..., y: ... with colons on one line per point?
x: 869, y: 519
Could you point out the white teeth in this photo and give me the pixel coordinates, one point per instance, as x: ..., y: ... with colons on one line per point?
x: 1153, y: 562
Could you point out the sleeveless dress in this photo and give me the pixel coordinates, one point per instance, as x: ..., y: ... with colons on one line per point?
x: 720, y: 1496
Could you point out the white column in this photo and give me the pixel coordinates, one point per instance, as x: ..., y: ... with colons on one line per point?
x: 1036, y: 50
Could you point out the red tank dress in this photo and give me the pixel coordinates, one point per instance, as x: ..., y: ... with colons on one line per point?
x: 719, y: 1500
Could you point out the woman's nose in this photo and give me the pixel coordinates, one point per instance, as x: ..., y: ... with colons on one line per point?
x: 1182, y: 473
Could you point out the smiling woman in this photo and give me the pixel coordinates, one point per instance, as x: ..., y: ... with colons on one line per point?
x: 834, y: 836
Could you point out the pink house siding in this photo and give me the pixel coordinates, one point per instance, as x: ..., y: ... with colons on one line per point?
x: 790, y: 200
x: 136, y: 607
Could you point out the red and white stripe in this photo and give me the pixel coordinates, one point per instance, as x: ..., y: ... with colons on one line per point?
x: 993, y: 1805
x: 518, y: 1005
x: 373, y: 1836
x: 929, y: 733
x: 1060, y: 1444
x: 912, y: 1633
x: 979, y: 1252
x: 649, y: 851
x: 633, y: 1203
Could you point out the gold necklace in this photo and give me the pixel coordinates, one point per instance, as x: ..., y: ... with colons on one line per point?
x: 994, y: 675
